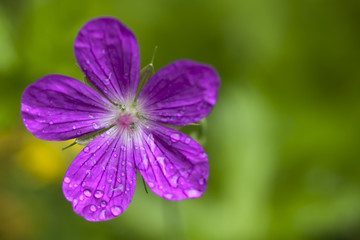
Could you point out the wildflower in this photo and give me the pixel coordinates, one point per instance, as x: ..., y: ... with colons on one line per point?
x: 127, y: 129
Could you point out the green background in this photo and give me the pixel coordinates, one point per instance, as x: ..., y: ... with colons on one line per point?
x: 283, y: 139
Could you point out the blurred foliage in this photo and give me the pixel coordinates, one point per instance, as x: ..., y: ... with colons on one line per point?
x: 283, y: 140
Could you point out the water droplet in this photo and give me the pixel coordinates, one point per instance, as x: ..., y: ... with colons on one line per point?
x: 74, y: 127
x: 175, y: 137
x: 151, y: 184
x: 123, y: 147
x: 75, y: 202
x: 174, y: 180
x: 115, y: 155
x: 201, y: 181
x: 67, y: 180
x: 168, y: 196
x: 78, y: 133
x: 116, y: 210
x: 87, y: 193
x: 102, y: 215
x: 180, y: 114
x: 91, y: 116
x: 93, y: 208
x: 95, y: 126
x: 51, y: 123
x: 103, y: 204
x: 187, y: 140
x: 192, y: 193
x: 81, y: 197
x: 86, y: 149
x: 161, y: 161
x: 99, y: 194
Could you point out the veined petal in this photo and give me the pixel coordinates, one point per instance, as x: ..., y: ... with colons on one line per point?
x: 58, y: 107
x: 173, y: 165
x: 101, y: 180
x: 108, y: 53
x: 181, y: 93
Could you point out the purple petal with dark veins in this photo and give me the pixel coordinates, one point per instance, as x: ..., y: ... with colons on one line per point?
x: 101, y: 180
x: 181, y: 93
x: 173, y: 165
x: 59, y: 108
x: 108, y: 53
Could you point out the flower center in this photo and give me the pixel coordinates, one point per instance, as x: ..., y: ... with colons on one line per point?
x: 126, y: 118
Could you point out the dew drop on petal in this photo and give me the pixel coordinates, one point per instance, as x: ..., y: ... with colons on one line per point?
x: 78, y: 133
x: 174, y: 180
x: 86, y: 149
x: 175, y: 137
x: 75, y: 202
x: 187, y: 140
x: 93, y: 208
x: 67, y: 180
x: 98, y: 194
x: 102, y: 215
x: 151, y: 184
x: 51, y: 122
x: 95, y: 126
x: 116, y: 210
x: 192, y: 193
x: 87, y: 193
x: 81, y: 197
x: 74, y: 127
x: 160, y: 160
x: 103, y: 204
x: 180, y: 114
x: 168, y: 196
x: 201, y: 181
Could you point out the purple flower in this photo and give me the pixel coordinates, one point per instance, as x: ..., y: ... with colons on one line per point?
x: 127, y: 131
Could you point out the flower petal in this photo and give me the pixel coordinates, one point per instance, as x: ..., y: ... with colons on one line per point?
x: 108, y: 53
x: 173, y: 165
x: 101, y: 181
x: 181, y: 93
x: 59, y: 108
